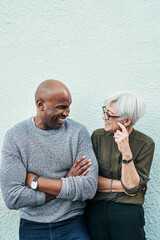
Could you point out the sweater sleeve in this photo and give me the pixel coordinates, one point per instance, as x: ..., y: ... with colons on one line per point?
x: 13, y: 175
x: 82, y: 187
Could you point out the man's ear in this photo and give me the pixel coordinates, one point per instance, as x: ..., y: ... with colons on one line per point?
x: 127, y: 122
x: 40, y: 104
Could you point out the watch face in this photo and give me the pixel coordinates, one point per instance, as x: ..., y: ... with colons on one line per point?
x: 34, y: 185
x: 125, y: 161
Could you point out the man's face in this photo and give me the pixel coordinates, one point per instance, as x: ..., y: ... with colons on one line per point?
x: 56, y: 109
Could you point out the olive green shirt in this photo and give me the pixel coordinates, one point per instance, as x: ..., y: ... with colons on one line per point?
x: 110, y: 163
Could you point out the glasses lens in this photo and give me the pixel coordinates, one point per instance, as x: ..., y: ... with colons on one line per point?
x: 106, y: 115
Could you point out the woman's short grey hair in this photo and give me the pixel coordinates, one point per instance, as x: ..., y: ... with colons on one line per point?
x: 127, y: 105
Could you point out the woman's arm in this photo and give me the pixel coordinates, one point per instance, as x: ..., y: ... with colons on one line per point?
x: 109, y: 185
x: 129, y: 174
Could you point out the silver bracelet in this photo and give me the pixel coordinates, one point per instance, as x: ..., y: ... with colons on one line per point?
x: 110, y: 190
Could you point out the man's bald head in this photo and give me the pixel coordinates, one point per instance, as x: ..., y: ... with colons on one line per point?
x: 49, y: 88
x: 53, y: 101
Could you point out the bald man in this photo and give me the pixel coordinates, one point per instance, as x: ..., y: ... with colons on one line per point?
x: 49, y: 169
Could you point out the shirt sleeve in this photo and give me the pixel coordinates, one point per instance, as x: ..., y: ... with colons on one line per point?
x: 82, y: 187
x: 13, y: 175
x: 143, y: 165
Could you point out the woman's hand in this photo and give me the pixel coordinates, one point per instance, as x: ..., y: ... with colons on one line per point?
x: 122, y: 140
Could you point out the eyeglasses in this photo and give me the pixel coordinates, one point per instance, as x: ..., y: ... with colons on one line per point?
x: 107, y: 115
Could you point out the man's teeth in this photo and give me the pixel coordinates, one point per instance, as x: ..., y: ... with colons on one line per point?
x: 61, y: 119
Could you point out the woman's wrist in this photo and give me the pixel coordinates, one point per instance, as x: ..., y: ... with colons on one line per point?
x: 127, y: 155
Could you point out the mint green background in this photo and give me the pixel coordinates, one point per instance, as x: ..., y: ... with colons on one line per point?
x: 96, y: 47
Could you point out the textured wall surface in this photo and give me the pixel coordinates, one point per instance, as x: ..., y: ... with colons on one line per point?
x: 96, y: 48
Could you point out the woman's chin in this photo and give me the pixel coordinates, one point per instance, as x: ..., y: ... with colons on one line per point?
x: 107, y: 128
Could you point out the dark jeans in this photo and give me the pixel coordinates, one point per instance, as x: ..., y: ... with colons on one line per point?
x: 70, y: 229
x: 115, y: 221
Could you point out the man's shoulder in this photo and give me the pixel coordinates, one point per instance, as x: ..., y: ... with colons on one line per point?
x: 19, y: 128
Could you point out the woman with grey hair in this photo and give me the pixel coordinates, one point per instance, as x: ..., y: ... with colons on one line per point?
x: 124, y: 156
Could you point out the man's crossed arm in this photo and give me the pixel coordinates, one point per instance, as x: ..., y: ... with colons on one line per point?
x: 52, y: 187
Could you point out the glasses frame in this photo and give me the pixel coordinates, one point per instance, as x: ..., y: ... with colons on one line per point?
x: 107, y: 115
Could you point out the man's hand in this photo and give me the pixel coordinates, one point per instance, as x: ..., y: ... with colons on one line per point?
x: 80, y: 167
x: 49, y: 197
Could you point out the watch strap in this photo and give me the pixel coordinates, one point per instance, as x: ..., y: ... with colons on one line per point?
x: 127, y: 161
x: 36, y: 178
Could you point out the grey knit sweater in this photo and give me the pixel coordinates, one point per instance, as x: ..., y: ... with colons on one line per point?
x: 48, y: 154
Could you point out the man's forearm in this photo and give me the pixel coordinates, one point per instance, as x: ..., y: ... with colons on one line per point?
x: 49, y: 186
x: 54, y: 186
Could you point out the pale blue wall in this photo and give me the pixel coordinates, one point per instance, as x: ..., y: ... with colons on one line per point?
x: 96, y: 47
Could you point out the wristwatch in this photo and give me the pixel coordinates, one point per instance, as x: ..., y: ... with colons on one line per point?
x: 127, y: 161
x: 34, y: 183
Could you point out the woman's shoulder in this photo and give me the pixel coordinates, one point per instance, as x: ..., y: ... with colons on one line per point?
x: 101, y: 132
x: 143, y: 137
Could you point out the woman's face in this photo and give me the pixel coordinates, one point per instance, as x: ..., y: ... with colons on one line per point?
x: 112, y: 119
